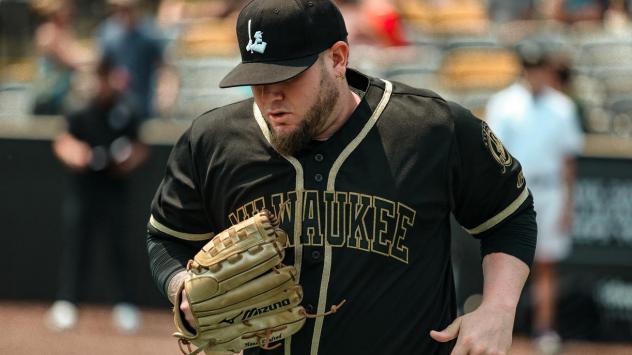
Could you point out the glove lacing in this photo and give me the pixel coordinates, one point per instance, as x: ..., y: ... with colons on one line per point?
x: 331, y: 310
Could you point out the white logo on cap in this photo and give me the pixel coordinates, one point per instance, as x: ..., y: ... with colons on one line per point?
x: 259, y: 45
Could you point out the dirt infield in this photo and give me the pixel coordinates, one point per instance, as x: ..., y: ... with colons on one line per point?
x: 22, y: 331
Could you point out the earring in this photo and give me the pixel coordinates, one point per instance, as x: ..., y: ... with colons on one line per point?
x: 340, y: 76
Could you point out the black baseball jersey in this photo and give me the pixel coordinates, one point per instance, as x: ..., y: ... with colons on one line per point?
x: 367, y: 211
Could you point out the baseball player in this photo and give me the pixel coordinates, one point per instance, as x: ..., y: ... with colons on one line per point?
x: 362, y: 174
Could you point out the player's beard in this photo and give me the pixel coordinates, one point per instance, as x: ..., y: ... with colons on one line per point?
x: 313, y: 122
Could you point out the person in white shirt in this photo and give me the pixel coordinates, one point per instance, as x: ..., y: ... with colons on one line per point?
x: 540, y: 127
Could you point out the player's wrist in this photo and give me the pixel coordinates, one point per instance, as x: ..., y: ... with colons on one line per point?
x: 500, y: 305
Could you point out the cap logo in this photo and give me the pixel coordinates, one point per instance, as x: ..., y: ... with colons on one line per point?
x: 258, y: 45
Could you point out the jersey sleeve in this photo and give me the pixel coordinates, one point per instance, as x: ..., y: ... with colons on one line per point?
x: 486, y: 182
x: 177, y: 209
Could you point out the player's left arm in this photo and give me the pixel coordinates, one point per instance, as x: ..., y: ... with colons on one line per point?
x: 491, y: 201
x: 507, y: 251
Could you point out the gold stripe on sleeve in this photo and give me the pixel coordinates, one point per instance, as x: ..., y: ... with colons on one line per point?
x: 502, y: 215
x: 331, y: 183
x: 182, y: 235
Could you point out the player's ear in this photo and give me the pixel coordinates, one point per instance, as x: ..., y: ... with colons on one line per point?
x: 340, y: 56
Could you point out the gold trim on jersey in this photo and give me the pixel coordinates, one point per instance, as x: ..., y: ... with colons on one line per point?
x: 331, y: 182
x: 358, y: 139
x: 182, y: 235
x: 300, y: 186
x: 502, y: 215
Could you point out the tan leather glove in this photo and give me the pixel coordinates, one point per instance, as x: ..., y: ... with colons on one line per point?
x: 239, y: 293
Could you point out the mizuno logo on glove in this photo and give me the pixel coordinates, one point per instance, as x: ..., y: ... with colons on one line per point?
x: 257, y: 311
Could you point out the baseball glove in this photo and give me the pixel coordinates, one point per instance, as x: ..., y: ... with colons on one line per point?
x: 239, y: 293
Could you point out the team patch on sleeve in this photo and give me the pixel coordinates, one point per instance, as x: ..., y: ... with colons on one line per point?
x: 496, y: 148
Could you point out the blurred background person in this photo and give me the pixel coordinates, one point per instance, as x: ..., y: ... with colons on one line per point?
x: 132, y: 42
x: 100, y: 149
x: 373, y: 22
x: 539, y: 126
x: 60, y: 56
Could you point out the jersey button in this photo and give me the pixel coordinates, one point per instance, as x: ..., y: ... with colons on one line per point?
x: 316, y: 255
x: 319, y: 157
x: 318, y: 177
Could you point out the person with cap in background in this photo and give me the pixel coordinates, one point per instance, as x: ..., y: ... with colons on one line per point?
x: 362, y: 174
x: 134, y: 43
x: 540, y: 126
x: 100, y: 149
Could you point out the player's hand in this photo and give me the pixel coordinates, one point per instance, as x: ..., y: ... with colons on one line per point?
x: 485, y: 331
x: 186, y: 310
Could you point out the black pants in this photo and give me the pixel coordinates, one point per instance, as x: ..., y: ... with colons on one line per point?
x: 94, y: 206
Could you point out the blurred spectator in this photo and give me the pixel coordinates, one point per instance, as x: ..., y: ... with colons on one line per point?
x: 132, y: 42
x: 539, y: 126
x: 100, y: 149
x: 358, y: 27
x: 373, y: 22
x: 60, y: 56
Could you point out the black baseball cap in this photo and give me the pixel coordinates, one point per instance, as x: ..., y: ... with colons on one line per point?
x: 279, y: 39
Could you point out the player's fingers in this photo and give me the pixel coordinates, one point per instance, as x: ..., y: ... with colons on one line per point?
x: 185, y: 308
x: 449, y: 333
